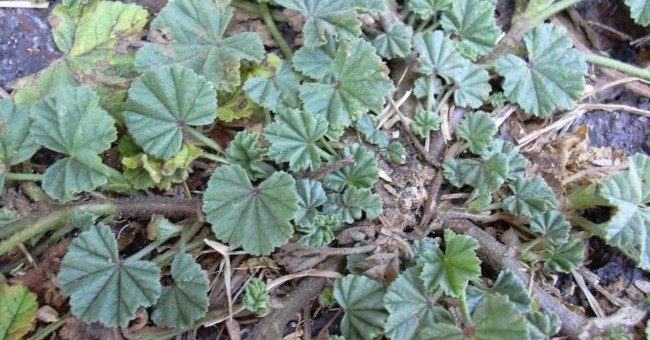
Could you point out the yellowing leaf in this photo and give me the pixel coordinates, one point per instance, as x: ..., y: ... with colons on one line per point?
x: 17, y: 311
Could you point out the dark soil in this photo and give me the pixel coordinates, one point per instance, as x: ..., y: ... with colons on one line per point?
x: 26, y: 44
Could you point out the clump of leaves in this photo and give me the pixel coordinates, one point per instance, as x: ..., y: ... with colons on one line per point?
x: 256, y: 298
x: 197, y: 41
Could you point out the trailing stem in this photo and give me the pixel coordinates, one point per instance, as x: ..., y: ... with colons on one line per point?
x: 277, y: 36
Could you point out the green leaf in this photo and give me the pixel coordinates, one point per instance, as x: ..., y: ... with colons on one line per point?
x: 395, y: 152
x: 363, y: 174
x: 293, y: 138
x: 246, y: 152
x: 18, y: 309
x: 197, y: 28
x: 439, y: 57
x: 255, y: 217
x: 102, y: 287
x: 629, y: 228
x: 507, y: 284
x: 450, y: 270
x: 485, y: 175
x: 356, y: 83
x: 411, y: 307
x: 639, y: 11
x: 542, y: 326
x: 494, y: 318
x: 353, y: 203
x: 362, y: 300
x: 396, y: 42
x: 529, y: 197
x: 552, y: 225
x: 310, y: 196
x: 162, y: 103
x: 565, y: 257
x: 184, y: 302
x: 472, y: 22
x: 316, y: 62
x: 321, y: 232
x: 427, y: 8
x: 472, y: 85
x: 257, y: 299
x: 552, y: 77
x: 71, y: 122
x: 16, y: 143
x: 31, y: 88
x: 276, y: 92
x: 425, y: 85
x: 324, y: 18
x: 516, y: 162
x: 477, y: 129
x: 425, y: 122
x: 370, y: 132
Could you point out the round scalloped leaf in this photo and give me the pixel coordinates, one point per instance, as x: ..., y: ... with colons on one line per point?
x: 396, y: 42
x: 566, y: 257
x: 310, y: 196
x: 362, y: 300
x: 164, y: 101
x: 552, y: 225
x: 426, y: 8
x: 529, y: 197
x: 484, y: 174
x: 552, y: 77
x: 186, y: 300
x: 246, y: 152
x: 472, y: 21
x: 293, y: 138
x: 494, y: 318
x: 255, y: 217
x: 18, y: 310
x: 477, y: 129
x: 315, y: 62
x: 542, y: 325
x: 425, y: 122
x: 516, y: 162
x: 450, y: 270
x: 102, y: 287
x: 639, y: 11
x: 363, y: 174
x: 439, y: 57
x: 358, y: 84
x: 72, y: 175
x: 277, y: 92
x: 506, y: 284
x: 353, y: 203
x: 326, y: 18
x: 196, y: 29
x: 411, y: 307
x: 16, y: 143
x: 472, y: 85
x: 71, y: 121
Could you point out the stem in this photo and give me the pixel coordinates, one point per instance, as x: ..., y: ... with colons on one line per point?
x: 214, y: 158
x: 464, y: 307
x: 277, y: 36
x: 36, y: 223
x: 422, y: 25
x: 444, y: 99
x: 617, y: 65
x: 24, y: 177
x: 539, y: 17
x: 253, y: 9
x: 328, y: 147
x: 33, y: 224
x: 147, y: 249
x: 430, y: 97
x: 166, y: 257
x: 204, y: 140
x: 587, y: 225
x: 493, y: 206
x: 46, y: 331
